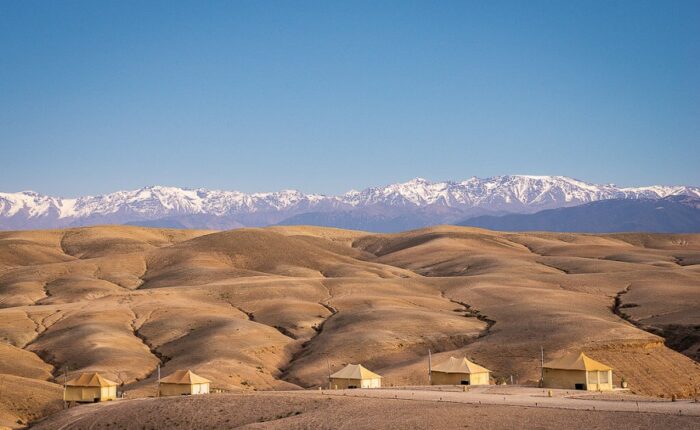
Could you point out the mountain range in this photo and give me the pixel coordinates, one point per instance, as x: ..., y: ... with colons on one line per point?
x: 400, y: 206
x: 674, y: 214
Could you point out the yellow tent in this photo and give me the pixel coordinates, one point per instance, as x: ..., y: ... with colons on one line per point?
x: 90, y: 387
x: 183, y: 382
x: 355, y: 376
x: 579, y: 372
x: 456, y: 371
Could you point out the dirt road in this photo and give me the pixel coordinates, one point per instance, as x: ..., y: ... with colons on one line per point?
x: 365, y: 409
x: 531, y: 397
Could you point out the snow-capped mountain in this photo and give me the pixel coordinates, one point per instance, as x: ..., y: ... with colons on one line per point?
x: 414, y: 203
x: 31, y: 210
x: 508, y: 193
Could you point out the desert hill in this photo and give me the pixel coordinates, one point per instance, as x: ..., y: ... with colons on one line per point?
x: 274, y: 308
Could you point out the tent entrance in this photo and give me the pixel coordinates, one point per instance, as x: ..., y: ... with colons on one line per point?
x: 580, y: 386
x: 464, y: 382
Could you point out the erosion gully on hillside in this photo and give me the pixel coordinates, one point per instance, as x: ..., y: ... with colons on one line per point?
x: 679, y: 337
x: 303, y: 348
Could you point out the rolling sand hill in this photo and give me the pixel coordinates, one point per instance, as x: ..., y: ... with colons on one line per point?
x: 274, y: 308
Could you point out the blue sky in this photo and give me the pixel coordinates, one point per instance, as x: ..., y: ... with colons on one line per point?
x: 326, y: 96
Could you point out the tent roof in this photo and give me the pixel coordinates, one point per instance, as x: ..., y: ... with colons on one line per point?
x: 93, y: 379
x: 575, y: 361
x: 355, y: 371
x: 456, y: 365
x: 184, y: 377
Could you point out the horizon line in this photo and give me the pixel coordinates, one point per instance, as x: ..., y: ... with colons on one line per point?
x: 351, y: 190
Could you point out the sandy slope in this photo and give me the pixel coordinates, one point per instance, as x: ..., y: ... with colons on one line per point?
x: 274, y: 308
x: 23, y: 400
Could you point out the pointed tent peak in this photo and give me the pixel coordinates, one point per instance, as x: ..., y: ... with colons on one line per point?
x: 355, y: 371
x: 576, y: 361
x: 459, y: 365
x: 91, y: 379
x: 187, y: 377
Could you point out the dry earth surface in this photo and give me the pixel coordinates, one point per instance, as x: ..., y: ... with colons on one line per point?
x: 315, y: 411
x: 273, y: 308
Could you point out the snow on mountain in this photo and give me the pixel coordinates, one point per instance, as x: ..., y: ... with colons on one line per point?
x: 515, y: 193
x: 505, y: 192
x: 32, y: 204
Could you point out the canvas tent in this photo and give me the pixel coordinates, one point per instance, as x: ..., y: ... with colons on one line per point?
x: 90, y: 387
x: 577, y: 372
x: 183, y: 382
x: 457, y: 371
x: 355, y: 376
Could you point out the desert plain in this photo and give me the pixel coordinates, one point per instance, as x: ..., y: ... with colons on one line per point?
x: 265, y: 313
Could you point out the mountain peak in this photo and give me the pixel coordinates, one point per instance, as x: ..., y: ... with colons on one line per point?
x: 418, y: 180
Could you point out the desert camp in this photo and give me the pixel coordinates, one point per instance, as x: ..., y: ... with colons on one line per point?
x: 577, y: 372
x: 456, y: 371
x: 183, y: 382
x: 90, y: 387
x: 355, y: 376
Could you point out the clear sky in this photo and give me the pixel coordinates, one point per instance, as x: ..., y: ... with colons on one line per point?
x: 325, y: 96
